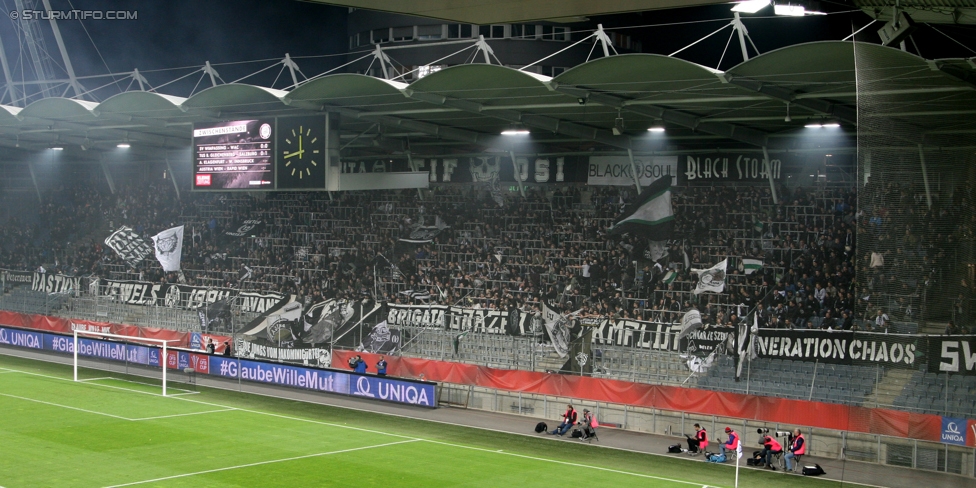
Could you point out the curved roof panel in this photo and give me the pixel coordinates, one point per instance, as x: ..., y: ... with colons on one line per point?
x: 482, y: 82
x: 348, y: 89
x: 8, y: 115
x: 60, y: 109
x: 235, y: 96
x: 142, y: 103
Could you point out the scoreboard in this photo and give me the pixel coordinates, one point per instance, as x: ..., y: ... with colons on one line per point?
x: 234, y: 155
x: 286, y: 153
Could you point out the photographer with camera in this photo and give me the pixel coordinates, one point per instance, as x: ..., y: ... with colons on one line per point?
x: 770, y: 446
x: 732, y: 444
x: 798, y: 447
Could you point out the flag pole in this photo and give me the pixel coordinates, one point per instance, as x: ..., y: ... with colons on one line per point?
x: 737, y: 469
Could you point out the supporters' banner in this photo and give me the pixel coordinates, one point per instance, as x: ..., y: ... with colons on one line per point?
x: 381, y: 340
x: 55, y: 283
x: 690, y: 322
x: 708, y: 340
x: 420, y: 233
x: 246, y: 228
x: 188, y: 297
x: 15, y: 278
x: 128, y: 245
x: 311, y: 355
x: 638, y: 334
x: 840, y: 347
x: 952, y: 354
x: 617, y: 170
x: 570, y: 169
x: 214, y: 315
x: 169, y: 248
x: 424, y: 316
x: 711, y: 280
x: 557, y: 328
x: 478, y: 320
x: 727, y: 167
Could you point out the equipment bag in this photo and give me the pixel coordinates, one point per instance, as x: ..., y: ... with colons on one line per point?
x: 717, y: 458
x: 541, y: 427
x: 814, y: 470
x: 577, y: 433
x: 674, y: 448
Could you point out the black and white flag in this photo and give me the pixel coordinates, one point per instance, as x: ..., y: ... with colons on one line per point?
x: 712, y: 279
x: 420, y: 233
x: 558, y: 328
x: 169, y: 248
x: 246, y: 228
x: 245, y: 274
x: 417, y: 294
x: 128, y: 245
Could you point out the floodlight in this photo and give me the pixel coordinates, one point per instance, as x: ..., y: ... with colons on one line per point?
x: 814, y: 125
x: 57, y: 149
x: 515, y: 132
x: 618, y: 126
x: 830, y: 125
x: 750, y: 6
x: 124, y: 145
x: 789, y: 10
x: 656, y: 128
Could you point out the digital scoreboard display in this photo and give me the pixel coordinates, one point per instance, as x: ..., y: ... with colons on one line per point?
x: 234, y: 155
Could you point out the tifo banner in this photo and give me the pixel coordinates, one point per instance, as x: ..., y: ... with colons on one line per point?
x: 246, y: 228
x: 839, y: 347
x: 186, y: 296
x: 55, y: 283
x: 703, y: 342
x: 617, y: 170
x: 952, y: 354
x: 728, y: 167
x: 128, y: 245
x: 636, y: 333
x: 17, y: 278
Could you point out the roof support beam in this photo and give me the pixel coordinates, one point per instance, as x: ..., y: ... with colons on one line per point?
x: 677, y: 117
x: 544, y: 122
x: 842, y: 112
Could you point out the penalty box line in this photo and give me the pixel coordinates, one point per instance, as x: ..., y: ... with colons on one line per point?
x: 88, y: 380
x: 119, y: 417
x: 260, y: 463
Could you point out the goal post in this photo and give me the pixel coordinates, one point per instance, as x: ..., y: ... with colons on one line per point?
x: 127, y: 339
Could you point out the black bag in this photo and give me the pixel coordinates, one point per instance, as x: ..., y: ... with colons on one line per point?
x: 577, y: 433
x: 674, y: 449
x: 754, y: 462
x: 814, y: 470
x: 541, y: 427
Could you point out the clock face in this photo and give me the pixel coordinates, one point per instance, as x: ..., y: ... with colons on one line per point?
x: 301, y: 152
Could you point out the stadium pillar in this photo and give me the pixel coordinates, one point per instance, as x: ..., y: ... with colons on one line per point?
x: 10, y: 89
x: 769, y: 172
x: 332, y: 147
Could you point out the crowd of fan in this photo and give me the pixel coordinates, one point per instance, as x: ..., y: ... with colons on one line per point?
x: 551, y: 247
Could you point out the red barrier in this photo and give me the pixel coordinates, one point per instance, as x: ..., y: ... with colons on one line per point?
x: 768, y: 409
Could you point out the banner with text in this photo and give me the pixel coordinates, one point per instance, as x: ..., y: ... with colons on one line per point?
x: 840, y: 347
x: 617, y: 170
x: 727, y: 167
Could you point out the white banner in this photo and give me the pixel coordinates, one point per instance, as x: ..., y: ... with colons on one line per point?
x: 169, y: 247
x: 128, y: 245
x: 617, y: 171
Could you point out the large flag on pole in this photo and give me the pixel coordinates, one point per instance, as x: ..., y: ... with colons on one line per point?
x: 557, y: 326
x: 690, y: 322
x: 649, y: 216
x: 750, y: 265
x: 169, y: 247
x: 711, y: 279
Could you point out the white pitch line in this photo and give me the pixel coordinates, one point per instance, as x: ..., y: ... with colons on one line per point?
x: 99, y: 384
x: 64, y: 406
x: 183, y: 414
x: 228, y: 468
x: 95, y: 379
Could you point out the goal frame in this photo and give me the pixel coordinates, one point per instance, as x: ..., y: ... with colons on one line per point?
x: 162, y: 360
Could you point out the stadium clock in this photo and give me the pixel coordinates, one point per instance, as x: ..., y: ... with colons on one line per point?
x: 301, y: 153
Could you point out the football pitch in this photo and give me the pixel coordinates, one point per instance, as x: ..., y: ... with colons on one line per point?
x: 115, y: 430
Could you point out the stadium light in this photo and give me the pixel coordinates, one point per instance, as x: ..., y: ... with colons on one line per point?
x: 789, y: 10
x: 124, y: 145
x: 656, y: 128
x: 750, y: 6
x: 57, y: 149
x: 515, y: 132
x: 830, y: 125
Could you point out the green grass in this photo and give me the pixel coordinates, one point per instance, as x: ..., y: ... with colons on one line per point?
x: 118, y: 431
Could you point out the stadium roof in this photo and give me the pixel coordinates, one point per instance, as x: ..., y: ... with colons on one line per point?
x: 464, y: 108
x: 504, y: 11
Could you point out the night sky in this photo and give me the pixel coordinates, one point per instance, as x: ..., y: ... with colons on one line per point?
x: 181, y: 33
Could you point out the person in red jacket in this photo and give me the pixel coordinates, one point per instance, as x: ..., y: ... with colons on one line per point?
x: 797, y: 448
x: 569, y: 420
x: 770, y: 446
x: 732, y: 444
x: 698, y: 443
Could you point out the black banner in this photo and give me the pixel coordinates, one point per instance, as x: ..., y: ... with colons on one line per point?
x: 952, y: 354
x: 707, y: 340
x: 726, y: 167
x: 839, y: 347
x: 187, y: 297
x: 54, y: 283
x: 246, y: 228
x: 637, y: 333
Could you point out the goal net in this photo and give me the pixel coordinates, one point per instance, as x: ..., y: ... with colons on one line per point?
x: 144, y: 351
